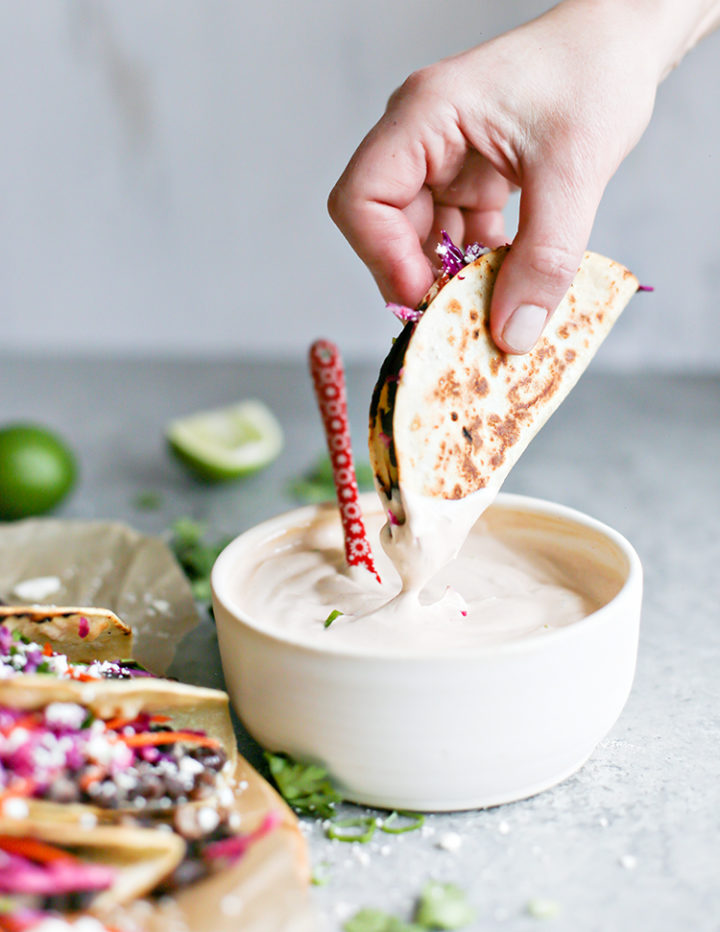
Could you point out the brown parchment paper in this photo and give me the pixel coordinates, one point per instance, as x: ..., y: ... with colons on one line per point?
x: 108, y: 565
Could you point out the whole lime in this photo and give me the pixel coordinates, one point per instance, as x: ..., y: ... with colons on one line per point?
x: 37, y: 470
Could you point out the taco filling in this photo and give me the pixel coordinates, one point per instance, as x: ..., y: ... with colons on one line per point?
x: 20, y: 655
x: 48, y: 877
x: 65, y: 754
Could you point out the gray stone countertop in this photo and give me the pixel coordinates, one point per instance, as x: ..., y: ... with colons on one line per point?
x: 632, y: 841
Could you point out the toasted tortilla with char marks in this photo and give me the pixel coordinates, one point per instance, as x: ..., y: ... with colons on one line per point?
x: 451, y: 413
x: 82, y: 634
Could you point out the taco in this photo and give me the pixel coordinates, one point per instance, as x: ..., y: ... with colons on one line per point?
x: 19, y: 656
x: 131, y: 746
x: 237, y: 855
x: 82, y: 634
x: 451, y: 413
x: 48, y: 865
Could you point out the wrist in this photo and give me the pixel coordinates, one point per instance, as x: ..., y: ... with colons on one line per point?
x: 662, y: 31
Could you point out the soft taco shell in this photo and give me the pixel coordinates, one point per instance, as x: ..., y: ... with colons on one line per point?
x: 82, y: 634
x: 451, y: 413
x: 142, y: 857
x: 265, y: 890
x: 187, y: 706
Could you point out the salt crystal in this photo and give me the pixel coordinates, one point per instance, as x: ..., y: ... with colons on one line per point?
x: 450, y: 841
x: 629, y: 862
x: 504, y: 828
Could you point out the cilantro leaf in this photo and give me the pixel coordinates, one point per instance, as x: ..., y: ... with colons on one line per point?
x: 443, y: 906
x: 195, y: 555
x: 305, y: 787
x: 148, y: 501
x: 318, y: 485
x: 374, y: 920
x: 335, y: 613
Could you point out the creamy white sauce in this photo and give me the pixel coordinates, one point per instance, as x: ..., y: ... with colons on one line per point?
x: 498, y: 588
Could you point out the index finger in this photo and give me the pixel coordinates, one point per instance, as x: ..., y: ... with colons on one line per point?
x: 381, y: 203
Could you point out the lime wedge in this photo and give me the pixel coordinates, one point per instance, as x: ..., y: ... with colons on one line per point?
x: 228, y: 442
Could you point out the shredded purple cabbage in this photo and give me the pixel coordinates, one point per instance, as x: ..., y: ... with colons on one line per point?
x: 453, y: 258
x: 404, y: 314
x: 645, y: 288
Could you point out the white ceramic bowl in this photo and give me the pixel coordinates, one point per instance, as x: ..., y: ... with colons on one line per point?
x: 439, y: 733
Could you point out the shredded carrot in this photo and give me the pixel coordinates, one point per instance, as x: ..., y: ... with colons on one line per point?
x: 29, y: 722
x: 91, y: 775
x: 117, y: 723
x: 34, y: 850
x: 10, y: 923
x: 149, y: 738
x: 47, y: 649
x: 160, y: 719
x: 18, y: 789
x: 82, y: 677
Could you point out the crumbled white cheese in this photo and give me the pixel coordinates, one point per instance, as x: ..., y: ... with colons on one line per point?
x: 208, y: 819
x: 15, y: 808
x: 67, y: 714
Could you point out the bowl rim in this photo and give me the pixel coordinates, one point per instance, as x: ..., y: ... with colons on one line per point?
x: 525, y: 645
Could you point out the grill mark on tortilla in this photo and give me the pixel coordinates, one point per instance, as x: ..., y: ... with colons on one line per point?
x: 382, y: 406
x: 522, y: 391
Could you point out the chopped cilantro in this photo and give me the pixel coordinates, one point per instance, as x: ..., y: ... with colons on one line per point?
x: 195, y: 555
x: 443, y: 906
x: 414, y: 820
x: 317, y: 485
x: 374, y: 920
x: 335, y: 613
x: 148, y: 501
x: 362, y: 829
x: 305, y: 787
x: 320, y: 876
x: 542, y: 908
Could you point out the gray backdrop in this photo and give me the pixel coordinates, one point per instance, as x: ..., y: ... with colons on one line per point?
x: 164, y: 168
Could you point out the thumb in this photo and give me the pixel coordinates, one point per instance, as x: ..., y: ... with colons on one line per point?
x: 556, y: 217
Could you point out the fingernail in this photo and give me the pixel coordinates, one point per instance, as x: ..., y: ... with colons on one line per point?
x: 524, y: 327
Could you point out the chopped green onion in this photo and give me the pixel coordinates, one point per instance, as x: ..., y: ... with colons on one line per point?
x: 443, y: 906
x: 416, y: 821
x: 335, y: 613
x: 364, y: 829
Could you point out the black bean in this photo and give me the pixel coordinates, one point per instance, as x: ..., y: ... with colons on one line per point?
x: 64, y: 790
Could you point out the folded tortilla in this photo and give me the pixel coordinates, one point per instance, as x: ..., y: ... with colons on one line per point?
x: 451, y: 413
x: 185, y: 708
x: 138, y: 857
x: 83, y: 634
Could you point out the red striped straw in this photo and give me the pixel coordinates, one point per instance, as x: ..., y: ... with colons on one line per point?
x: 329, y: 380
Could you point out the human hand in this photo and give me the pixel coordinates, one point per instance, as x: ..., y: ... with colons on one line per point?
x: 552, y: 108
